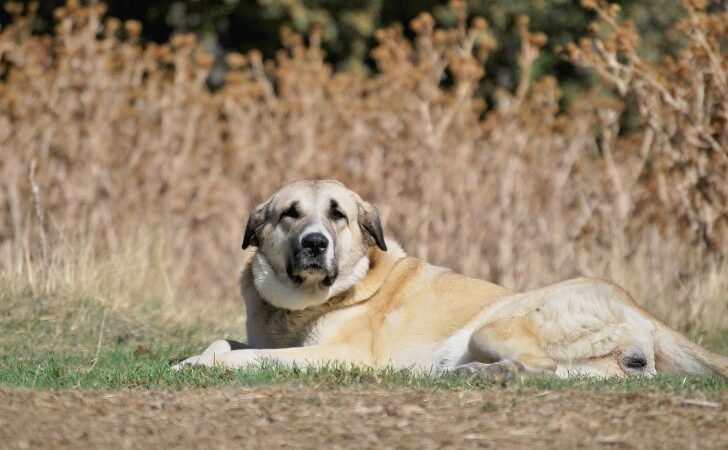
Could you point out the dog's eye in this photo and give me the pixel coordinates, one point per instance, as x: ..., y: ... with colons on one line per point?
x: 337, y: 215
x: 291, y: 212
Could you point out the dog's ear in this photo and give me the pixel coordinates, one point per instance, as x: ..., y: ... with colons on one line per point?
x: 370, y: 225
x: 255, y: 220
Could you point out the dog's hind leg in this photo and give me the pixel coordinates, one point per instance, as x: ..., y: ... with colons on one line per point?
x: 579, y: 327
x: 506, y: 348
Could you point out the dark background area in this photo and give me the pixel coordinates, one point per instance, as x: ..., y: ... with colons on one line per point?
x: 348, y: 27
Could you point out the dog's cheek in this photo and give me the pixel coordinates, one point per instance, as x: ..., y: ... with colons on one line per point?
x: 343, y: 245
x: 277, y: 248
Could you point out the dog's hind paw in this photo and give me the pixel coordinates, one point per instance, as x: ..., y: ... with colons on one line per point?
x: 182, y: 364
x: 502, y: 371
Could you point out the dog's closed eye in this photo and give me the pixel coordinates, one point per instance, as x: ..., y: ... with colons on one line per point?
x: 335, y: 213
x: 291, y: 212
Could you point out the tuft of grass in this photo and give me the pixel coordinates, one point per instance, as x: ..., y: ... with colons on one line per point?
x: 489, y: 406
x: 718, y: 341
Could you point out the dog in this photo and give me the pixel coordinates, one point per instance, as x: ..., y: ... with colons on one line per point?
x: 322, y: 284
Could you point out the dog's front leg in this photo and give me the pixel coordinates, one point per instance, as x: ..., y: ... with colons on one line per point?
x: 298, y: 356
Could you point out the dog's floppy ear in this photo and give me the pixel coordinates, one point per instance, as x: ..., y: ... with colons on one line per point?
x: 370, y: 225
x: 255, y: 220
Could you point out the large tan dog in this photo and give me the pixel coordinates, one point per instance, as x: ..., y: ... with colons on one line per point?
x: 322, y: 285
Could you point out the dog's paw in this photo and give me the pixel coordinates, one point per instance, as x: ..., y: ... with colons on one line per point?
x: 502, y: 371
x: 209, y: 356
x: 199, y: 360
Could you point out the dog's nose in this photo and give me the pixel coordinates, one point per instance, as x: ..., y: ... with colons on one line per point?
x: 315, y: 243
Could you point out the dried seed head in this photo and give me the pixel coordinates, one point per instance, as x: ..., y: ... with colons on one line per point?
x: 14, y: 8
x: 133, y: 28
x: 183, y: 40
x: 112, y: 25
x: 537, y: 39
x: 235, y: 60
x: 204, y: 59
x: 480, y: 24
x: 589, y: 4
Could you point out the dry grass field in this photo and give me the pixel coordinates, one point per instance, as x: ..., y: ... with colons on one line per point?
x: 125, y: 184
x: 133, y: 154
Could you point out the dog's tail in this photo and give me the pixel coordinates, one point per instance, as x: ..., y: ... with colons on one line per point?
x: 674, y: 353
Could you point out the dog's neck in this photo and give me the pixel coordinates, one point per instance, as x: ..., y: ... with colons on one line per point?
x: 270, y: 326
x: 284, y: 294
x: 365, y: 278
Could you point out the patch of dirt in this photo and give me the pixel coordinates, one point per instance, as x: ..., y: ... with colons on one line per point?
x: 367, y: 417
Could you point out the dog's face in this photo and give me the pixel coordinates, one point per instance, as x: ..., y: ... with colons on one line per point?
x: 313, y: 240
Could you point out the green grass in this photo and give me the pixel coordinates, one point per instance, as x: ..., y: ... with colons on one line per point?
x: 62, y: 343
x: 124, y: 367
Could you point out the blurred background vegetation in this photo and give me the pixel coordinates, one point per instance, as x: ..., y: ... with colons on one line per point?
x: 347, y: 28
x: 114, y: 143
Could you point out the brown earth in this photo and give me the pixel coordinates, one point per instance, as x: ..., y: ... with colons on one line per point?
x: 372, y: 417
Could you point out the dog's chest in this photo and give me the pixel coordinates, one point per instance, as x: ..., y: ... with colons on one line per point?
x: 336, y: 326
x: 310, y: 326
x: 288, y: 328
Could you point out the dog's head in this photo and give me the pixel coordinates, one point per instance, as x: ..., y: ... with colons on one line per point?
x: 312, y: 240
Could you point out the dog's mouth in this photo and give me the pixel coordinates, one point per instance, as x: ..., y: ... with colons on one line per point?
x: 310, y: 271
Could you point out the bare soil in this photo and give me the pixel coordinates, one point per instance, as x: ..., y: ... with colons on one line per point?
x: 366, y: 417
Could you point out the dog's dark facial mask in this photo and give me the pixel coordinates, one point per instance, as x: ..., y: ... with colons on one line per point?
x: 313, y: 257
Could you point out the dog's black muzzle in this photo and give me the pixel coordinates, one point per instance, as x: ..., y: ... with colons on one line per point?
x: 309, y: 258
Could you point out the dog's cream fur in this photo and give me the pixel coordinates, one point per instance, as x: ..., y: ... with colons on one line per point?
x: 387, y: 309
